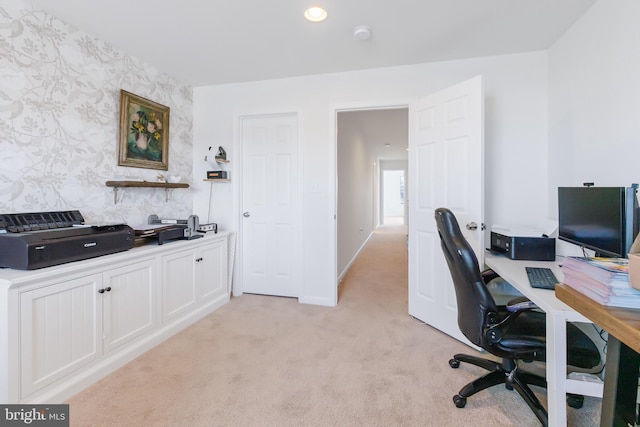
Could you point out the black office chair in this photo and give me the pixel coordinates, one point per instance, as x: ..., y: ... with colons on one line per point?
x: 513, y: 332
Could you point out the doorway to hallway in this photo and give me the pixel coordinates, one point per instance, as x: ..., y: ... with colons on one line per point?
x: 368, y: 143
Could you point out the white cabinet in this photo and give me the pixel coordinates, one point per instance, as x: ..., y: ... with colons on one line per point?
x: 193, y: 276
x: 62, y: 328
x: 212, y: 265
x: 66, y: 325
x: 179, y: 280
x: 128, y: 303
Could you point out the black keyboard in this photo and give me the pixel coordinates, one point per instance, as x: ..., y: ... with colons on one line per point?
x: 540, y: 277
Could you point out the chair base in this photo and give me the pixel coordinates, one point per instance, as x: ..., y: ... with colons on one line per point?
x: 506, y: 373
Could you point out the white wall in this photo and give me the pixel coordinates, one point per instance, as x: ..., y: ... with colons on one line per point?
x: 594, y: 100
x: 356, y: 179
x: 59, y: 122
x: 516, y: 99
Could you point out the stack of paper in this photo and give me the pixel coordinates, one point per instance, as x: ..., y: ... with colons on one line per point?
x: 605, y: 280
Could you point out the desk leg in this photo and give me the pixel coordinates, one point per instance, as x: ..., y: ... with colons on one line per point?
x: 556, y: 369
x: 620, y: 384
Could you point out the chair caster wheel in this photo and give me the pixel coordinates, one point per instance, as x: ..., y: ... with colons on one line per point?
x: 575, y: 400
x: 508, y: 386
x: 459, y: 401
x: 454, y: 363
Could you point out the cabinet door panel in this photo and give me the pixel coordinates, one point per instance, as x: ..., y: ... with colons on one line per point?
x: 213, y: 270
x: 179, y: 278
x: 128, y: 304
x: 59, y: 327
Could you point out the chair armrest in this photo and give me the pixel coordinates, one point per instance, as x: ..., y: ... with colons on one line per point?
x: 519, y: 304
x: 488, y: 275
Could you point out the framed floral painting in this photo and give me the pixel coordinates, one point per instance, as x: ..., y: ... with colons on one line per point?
x: 144, y: 133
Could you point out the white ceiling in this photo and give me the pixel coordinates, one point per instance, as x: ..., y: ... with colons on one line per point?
x: 384, y: 131
x: 208, y: 42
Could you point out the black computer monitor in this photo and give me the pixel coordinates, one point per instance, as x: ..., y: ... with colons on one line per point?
x: 603, y: 219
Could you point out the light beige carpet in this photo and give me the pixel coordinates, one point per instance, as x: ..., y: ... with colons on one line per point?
x: 270, y: 361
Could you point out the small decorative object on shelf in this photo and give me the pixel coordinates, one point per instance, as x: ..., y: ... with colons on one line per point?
x: 217, y: 175
x: 222, y: 155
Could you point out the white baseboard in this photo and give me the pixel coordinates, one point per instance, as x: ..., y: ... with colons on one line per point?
x: 346, y: 269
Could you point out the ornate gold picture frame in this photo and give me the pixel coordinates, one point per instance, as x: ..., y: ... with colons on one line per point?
x: 144, y: 133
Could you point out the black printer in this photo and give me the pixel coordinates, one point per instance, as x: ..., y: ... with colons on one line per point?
x: 35, y: 240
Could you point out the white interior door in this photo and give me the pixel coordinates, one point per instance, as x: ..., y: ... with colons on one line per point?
x: 446, y: 156
x: 271, y: 254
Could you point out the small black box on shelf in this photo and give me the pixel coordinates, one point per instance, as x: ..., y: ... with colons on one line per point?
x: 217, y: 175
x: 524, y: 248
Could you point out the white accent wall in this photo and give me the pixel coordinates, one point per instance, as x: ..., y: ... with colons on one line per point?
x: 516, y: 150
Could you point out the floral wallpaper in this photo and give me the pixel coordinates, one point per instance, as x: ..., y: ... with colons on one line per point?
x: 59, y: 122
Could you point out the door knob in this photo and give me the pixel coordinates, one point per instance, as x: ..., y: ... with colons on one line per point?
x: 246, y: 214
x: 472, y: 226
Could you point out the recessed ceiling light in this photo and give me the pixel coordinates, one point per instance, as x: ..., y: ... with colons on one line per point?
x: 315, y: 14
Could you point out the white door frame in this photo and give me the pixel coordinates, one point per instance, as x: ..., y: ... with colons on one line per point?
x: 334, y: 110
x: 236, y: 180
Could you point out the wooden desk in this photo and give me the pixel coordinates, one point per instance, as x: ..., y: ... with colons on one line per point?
x: 623, y: 360
x: 558, y: 314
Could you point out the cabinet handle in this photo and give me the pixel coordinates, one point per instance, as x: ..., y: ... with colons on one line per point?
x: 198, y: 259
x: 101, y: 291
x: 108, y: 289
